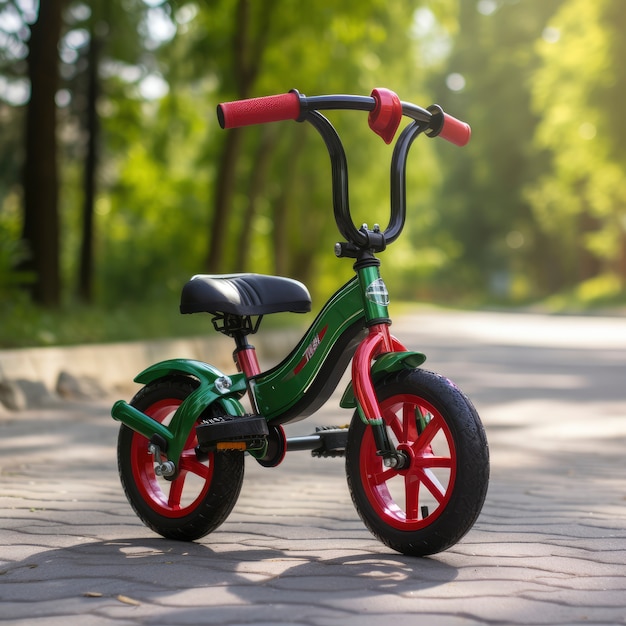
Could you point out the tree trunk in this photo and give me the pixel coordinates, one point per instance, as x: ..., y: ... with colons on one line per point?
x: 249, y: 41
x: 621, y: 259
x: 85, y: 278
x: 588, y: 263
x: 283, y: 203
x: 258, y: 176
x: 224, y: 187
x: 40, y: 178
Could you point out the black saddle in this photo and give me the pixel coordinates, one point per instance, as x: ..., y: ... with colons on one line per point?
x: 244, y: 295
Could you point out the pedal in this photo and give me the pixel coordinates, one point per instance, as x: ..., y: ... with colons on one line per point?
x: 232, y: 432
x: 333, y: 440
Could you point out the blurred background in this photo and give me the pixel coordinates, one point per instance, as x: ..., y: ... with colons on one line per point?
x: 117, y: 184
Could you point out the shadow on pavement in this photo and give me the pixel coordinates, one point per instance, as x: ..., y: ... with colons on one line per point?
x: 140, y: 572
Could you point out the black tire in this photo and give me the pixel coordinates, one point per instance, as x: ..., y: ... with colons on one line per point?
x: 203, y: 493
x: 430, y: 505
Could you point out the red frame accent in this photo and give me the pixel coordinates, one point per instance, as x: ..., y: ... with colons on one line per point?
x: 313, y: 346
x: 248, y: 363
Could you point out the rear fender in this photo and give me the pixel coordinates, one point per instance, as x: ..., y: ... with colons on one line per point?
x: 214, y: 387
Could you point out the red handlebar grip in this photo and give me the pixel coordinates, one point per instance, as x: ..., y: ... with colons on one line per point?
x: 455, y: 131
x: 262, y: 110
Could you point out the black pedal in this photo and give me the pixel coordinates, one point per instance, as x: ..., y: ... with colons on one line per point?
x: 333, y: 441
x: 231, y: 432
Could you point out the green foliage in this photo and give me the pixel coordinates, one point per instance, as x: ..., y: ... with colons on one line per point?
x: 580, y: 200
x: 151, y: 223
x: 485, y: 226
x: 12, y: 251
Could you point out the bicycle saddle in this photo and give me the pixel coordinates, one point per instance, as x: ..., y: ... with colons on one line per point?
x: 244, y: 294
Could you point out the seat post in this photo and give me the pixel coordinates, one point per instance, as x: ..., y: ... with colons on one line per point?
x: 247, y: 362
x: 245, y: 356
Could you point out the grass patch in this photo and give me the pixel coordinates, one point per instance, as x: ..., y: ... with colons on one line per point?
x: 24, y: 325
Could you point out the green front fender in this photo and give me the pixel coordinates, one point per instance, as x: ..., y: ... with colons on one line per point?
x: 214, y: 387
x: 384, y: 365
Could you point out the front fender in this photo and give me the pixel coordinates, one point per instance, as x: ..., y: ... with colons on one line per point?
x: 214, y: 387
x: 384, y: 365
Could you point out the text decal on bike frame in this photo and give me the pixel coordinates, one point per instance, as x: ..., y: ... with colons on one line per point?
x: 377, y: 292
x: 310, y: 350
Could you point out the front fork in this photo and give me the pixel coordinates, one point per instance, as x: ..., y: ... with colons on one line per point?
x: 379, y: 344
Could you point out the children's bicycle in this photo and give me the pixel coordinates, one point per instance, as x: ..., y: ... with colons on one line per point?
x: 416, y: 454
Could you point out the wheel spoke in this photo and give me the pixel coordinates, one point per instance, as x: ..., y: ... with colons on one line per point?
x: 433, y: 461
x: 379, y: 478
x: 176, y: 491
x: 428, y: 434
x: 395, y: 424
x: 411, y: 495
x: 431, y: 482
x: 189, y: 463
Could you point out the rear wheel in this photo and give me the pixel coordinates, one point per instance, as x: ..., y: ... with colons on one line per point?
x: 202, y: 494
x: 428, y: 505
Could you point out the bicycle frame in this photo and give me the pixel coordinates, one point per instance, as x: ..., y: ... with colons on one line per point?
x: 303, y: 381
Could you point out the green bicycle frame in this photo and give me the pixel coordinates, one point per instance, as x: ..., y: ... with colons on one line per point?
x: 302, y: 382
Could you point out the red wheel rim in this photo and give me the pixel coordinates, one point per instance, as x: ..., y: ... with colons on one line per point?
x: 415, y: 496
x: 182, y: 495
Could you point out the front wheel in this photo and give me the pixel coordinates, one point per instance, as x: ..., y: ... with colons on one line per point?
x: 428, y: 505
x: 202, y: 494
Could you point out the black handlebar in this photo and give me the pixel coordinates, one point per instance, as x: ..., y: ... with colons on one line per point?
x: 385, y: 113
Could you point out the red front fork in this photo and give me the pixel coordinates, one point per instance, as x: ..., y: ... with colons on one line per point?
x: 379, y: 341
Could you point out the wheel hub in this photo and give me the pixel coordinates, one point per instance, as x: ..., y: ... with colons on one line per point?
x: 399, y: 459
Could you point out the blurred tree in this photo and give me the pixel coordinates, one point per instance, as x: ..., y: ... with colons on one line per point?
x: 53, y: 52
x: 92, y: 126
x: 14, y: 93
x: 580, y: 199
x: 250, y: 28
x: 98, y: 37
x: 40, y: 178
x: 485, y: 223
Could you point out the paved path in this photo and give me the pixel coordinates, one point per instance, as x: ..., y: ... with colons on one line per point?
x: 549, y: 547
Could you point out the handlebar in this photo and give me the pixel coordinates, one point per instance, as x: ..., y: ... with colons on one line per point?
x: 385, y: 114
x: 384, y: 106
